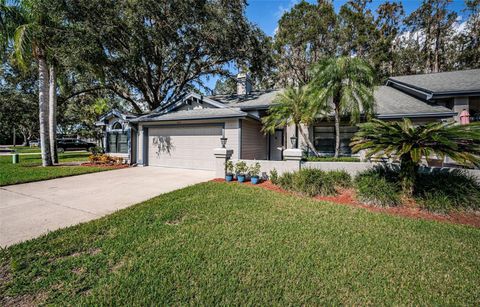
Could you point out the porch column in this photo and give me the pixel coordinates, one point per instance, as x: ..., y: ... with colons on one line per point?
x: 222, y: 155
x: 293, y: 156
x: 459, y: 104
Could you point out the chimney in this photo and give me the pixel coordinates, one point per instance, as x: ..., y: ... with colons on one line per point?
x: 244, y: 85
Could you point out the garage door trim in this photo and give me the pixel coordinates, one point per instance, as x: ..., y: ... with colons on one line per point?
x: 146, y: 134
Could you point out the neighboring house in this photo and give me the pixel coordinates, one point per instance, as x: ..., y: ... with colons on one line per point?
x: 184, y: 134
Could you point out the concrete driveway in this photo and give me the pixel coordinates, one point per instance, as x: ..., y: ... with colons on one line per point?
x: 32, y: 209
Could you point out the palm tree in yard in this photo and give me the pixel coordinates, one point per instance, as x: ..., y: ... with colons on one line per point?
x: 292, y: 106
x: 345, y: 86
x: 409, y: 144
x: 25, y: 25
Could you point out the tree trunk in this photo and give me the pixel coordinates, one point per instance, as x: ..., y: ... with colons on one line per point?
x: 307, y: 139
x: 43, y: 111
x: 52, y: 115
x: 408, y: 174
x: 337, y: 130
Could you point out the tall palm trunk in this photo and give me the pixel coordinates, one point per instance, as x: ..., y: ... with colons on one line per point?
x: 52, y: 115
x: 43, y: 108
x: 337, y: 129
x: 302, y: 131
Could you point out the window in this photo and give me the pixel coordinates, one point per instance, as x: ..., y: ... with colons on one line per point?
x: 324, y: 139
x: 117, y: 142
x: 117, y: 126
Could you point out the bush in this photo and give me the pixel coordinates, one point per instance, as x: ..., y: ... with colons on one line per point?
x: 332, y: 159
x: 104, y: 159
x: 273, y: 176
x: 254, y: 170
x: 229, y: 167
x: 378, y: 186
x: 443, y: 191
x: 313, y: 182
x: 241, y: 168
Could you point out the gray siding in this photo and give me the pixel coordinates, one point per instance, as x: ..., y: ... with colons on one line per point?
x: 254, y: 142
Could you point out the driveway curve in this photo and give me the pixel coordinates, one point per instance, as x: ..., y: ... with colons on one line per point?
x: 31, y: 209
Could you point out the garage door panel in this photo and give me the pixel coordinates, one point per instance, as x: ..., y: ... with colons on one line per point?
x: 186, y: 147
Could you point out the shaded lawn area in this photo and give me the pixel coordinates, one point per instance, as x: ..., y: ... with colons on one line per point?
x: 218, y: 243
x: 29, y: 169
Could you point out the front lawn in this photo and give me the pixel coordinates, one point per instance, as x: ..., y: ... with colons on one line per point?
x: 25, y: 149
x: 228, y: 244
x: 29, y: 169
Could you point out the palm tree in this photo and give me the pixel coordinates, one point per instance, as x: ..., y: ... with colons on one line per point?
x: 24, y: 25
x: 409, y: 144
x: 292, y: 106
x: 52, y: 115
x: 346, y: 85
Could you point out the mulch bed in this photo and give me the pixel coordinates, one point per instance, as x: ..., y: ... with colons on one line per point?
x: 106, y: 165
x: 347, y: 197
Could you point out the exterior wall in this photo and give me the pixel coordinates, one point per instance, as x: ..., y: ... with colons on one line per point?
x: 233, y: 134
x: 254, y: 142
x: 267, y: 166
x: 193, y: 104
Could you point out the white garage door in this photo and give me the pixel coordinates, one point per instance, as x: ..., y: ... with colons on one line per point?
x: 183, y: 146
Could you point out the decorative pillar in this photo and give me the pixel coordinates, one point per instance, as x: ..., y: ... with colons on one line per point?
x: 222, y: 155
x: 293, y: 156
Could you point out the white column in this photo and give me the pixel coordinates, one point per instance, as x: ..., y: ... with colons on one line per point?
x: 460, y: 103
x: 222, y: 155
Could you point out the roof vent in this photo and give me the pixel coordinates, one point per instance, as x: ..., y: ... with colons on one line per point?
x: 244, y: 84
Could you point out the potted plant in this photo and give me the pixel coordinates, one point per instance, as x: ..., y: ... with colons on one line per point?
x: 241, y: 169
x: 254, y: 172
x: 229, y: 167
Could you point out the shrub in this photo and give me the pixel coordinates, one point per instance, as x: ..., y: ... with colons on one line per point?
x: 332, y: 159
x: 97, y: 150
x: 254, y: 170
x: 104, y: 159
x: 312, y: 182
x: 443, y: 191
x: 241, y: 168
x: 229, y: 167
x: 341, y: 179
x: 378, y: 186
x: 273, y: 176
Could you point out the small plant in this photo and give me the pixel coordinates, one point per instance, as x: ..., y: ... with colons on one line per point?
x: 273, y: 176
x: 254, y: 172
x: 341, y: 179
x: 104, y: 159
x: 229, y: 167
x: 241, y: 169
x: 97, y: 150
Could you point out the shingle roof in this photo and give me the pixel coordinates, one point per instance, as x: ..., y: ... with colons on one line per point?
x: 256, y: 99
x: 392, y: 103
x: 455, y: 81
x: 208, y: 113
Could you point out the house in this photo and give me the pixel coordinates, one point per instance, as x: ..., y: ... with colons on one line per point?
x: 184, y: 134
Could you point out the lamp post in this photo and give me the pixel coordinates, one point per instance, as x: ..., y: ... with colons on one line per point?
x: 293, y: 140
x: 223, y: 141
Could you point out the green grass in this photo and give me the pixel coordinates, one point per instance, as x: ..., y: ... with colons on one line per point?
x: 29, y: 169
x: 228, y: 244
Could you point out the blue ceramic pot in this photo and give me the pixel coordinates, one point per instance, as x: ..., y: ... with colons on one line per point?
x: 241, y: 178
x: 228, y: 178
x: 255, y: 180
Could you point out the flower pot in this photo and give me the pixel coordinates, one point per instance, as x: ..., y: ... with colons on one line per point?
x: 228, y: 177
x: 255, y: 180
x: 241, y: 178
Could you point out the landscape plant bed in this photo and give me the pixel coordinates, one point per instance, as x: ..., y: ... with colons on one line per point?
x: 407, y: 209
x: 115, y: 166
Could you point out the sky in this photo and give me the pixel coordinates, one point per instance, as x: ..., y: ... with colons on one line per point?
x: 266, y: 13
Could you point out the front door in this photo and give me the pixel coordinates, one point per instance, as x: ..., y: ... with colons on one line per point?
x: 276, y: 145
